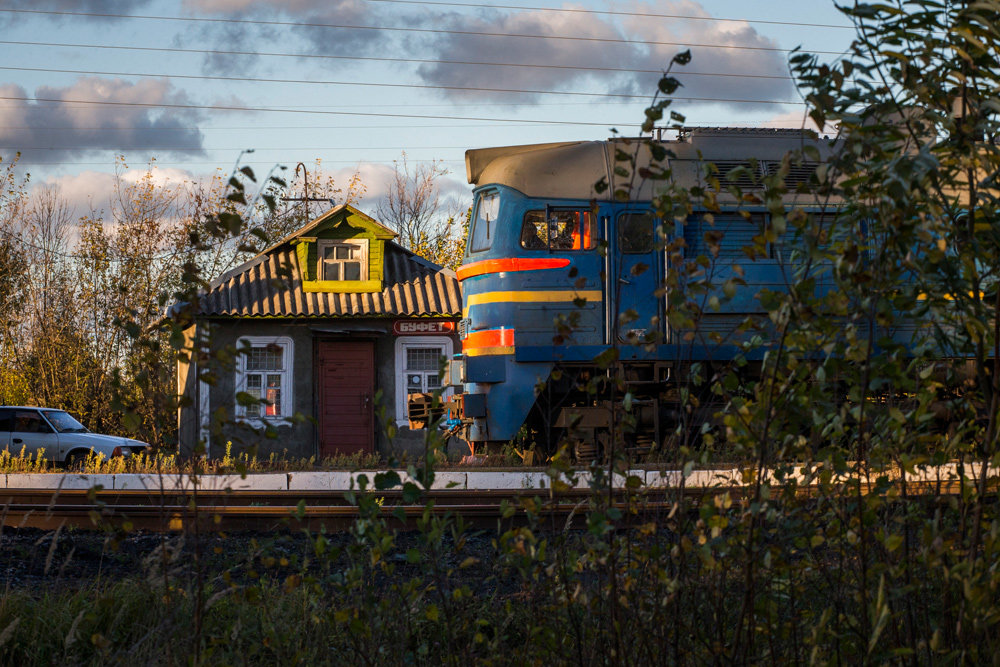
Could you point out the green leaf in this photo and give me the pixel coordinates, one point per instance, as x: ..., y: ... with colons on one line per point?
x: 682, y: 58
x: 387, y: 480
x: 411, y: 492
x: 668, y: 85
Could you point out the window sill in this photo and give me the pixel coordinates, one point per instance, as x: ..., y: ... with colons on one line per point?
x: 342, y: 286
x: 263, y: 422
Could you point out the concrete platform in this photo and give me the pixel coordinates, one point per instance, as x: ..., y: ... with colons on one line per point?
x: 335, y: 480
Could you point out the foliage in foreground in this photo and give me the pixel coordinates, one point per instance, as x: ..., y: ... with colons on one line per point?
x: 674, y: 588
x: 863, y: 570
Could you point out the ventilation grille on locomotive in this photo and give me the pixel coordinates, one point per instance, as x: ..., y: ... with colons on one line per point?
x: 750, y: 175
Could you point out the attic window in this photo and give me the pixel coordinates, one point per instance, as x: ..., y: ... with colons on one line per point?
x: 343, y: 260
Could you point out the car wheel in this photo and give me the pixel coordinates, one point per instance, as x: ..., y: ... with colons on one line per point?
x: 75, y: 461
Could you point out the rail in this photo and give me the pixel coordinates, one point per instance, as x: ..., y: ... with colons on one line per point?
x: 227, y: 509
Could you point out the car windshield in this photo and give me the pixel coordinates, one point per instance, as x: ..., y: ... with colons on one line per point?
x: 64, y: 422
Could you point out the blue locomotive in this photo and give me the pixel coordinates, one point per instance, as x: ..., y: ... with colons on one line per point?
x: 556, y: 274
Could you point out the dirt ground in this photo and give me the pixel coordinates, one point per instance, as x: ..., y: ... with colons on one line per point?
x: 39, y: 560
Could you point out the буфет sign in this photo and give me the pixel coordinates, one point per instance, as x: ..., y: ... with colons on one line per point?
x: 418, y: 327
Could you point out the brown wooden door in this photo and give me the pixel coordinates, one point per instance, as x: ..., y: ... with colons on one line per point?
x: 346, y: 384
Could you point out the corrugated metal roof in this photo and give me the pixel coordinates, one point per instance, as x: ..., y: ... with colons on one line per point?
x: 270, y: 285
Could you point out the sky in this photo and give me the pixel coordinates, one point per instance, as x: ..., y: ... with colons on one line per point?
x: 355, y: 84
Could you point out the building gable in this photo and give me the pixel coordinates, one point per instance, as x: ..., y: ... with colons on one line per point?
x: 284, y: 280
x: 343, y: 253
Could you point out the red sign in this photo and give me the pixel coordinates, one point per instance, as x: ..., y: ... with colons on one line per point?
x: 418, y: 327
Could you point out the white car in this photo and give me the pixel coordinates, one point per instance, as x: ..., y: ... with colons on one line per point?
x: 63, y: 438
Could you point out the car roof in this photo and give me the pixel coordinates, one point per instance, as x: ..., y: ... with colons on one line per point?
x: 27, y: 407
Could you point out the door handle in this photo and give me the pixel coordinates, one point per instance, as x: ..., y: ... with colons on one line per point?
x: 18, y: 441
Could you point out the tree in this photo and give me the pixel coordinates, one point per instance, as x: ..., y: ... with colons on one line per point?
x: 880, y: 353
x: 446, y: 247
x: 13, y: 284
x: 412, y: 203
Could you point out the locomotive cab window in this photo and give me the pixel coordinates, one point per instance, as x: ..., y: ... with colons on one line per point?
x: 484, y: 226
x: 563, y: 230
x: 636, y: 232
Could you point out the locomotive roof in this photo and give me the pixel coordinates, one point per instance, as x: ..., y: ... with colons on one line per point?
x: 570, y: 170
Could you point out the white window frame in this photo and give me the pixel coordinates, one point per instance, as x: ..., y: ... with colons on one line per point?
x: 404, y: 342
x: 287, y: 393
x: 361, y: 244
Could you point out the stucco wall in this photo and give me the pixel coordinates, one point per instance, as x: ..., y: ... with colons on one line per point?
x: 294, y: 440
x: 297, y: 440
x: 187, y: 392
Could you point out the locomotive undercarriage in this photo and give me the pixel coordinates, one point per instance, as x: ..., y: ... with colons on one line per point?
x: 634, y: 410
x: 637, y: 410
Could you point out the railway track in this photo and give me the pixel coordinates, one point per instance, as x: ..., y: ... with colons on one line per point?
x: 332, y: 510
x: 270, y: 510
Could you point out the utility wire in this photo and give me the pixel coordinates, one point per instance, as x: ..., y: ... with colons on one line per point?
x: 226, y: 107
x: 256, y: 128
x: 435, y: 31
x: 516, y: 91
x: 263, y: 128
x: 163, y: 163
x: 422, y: 61
x: 589, y: 103
x: 368, y: 114
x: 256, y: 149
x: 569, y: 10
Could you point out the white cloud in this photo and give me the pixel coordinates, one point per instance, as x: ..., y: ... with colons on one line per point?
x: 88, y: 6
x: 92, y: 192
x: 455, y: 194
x: 331, y: 8
x: 313, y: 15
x: 51, y: 125
x: 747, y: 70
x: 621, y: 51
x: 525, y: 50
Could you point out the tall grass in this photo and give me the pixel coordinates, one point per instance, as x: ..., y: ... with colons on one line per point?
x: 167, y: 463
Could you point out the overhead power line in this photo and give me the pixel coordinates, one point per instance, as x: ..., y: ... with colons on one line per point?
x: 434, y: 31
x: 368, y: 114
x: 453, y: 105
x: 317, y: 112
x: 188, y: 163
x: 265, y: 128
x: 422, y: 61
x: 256, y: 149
x: 256, y: 128
x: 370, y: 84
x: 607, y: 12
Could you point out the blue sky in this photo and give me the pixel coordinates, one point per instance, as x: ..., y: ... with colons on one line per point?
x: 355, y: 83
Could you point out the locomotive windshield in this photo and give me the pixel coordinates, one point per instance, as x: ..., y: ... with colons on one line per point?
x: 564, y: 230
x: 484, y: 226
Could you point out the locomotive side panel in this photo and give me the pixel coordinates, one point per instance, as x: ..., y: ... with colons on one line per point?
x: 556, y: 274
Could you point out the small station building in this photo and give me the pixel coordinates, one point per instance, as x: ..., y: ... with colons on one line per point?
x: 333, y: 325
